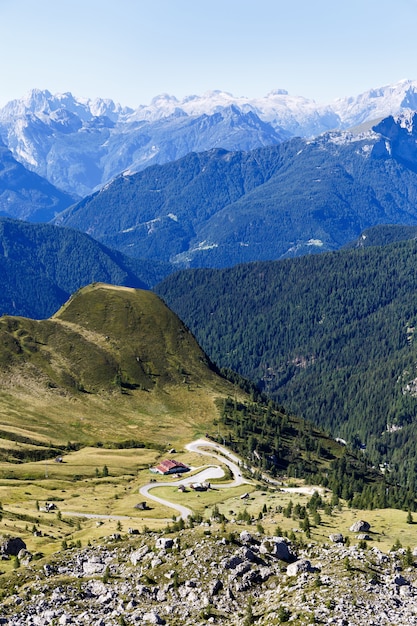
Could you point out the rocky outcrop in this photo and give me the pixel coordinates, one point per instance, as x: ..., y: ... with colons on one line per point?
x: 195, y: 578
x: 11, y: 546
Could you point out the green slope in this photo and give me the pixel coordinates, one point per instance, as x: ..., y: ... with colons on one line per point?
x: 42, y: 265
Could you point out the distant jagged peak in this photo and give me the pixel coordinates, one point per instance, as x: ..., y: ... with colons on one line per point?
x: 278, y: 92
x: 377, y: 102
x: 41, y: 102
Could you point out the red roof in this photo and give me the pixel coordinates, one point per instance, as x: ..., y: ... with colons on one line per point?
x: 170, y: 465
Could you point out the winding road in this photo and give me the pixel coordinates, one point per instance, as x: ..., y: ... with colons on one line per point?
x: 206, y: 448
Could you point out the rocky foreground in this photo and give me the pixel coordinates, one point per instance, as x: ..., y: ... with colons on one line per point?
x: 200, y: 575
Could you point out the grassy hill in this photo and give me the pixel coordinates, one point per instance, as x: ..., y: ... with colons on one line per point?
x: 112, y: 364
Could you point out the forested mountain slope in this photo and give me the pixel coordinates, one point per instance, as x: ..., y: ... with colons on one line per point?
x: 80, y: 144
x: 42, y: 265
x: 218, y: 208
x: 331, y: 337
x: 384, y: 235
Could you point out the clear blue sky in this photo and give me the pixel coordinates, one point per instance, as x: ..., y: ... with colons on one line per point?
x: 132, y: 50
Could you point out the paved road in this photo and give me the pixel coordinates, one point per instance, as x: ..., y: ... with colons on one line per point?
x: 207, y: 473
x: 207, y: 448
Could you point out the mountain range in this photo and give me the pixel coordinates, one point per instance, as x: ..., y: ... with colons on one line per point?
x: 80, y: 144
x: 219, y: 208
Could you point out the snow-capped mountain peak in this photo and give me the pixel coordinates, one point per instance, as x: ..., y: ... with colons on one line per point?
x: 79, y: 144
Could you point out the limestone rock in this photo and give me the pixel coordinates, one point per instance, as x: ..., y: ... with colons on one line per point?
x: 93, y: 566
x: 246, y: 537
x: 277, y: 547
x: 12, y: 546
x: 215, y: 587
x: 164, y: 543
x: 360, y: 527
x: 299, y: 567
x: 336, y: 538
x: 138, y: 555
x: 153, y: 618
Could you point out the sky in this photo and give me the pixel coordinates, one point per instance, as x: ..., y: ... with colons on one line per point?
x: 133, y: 50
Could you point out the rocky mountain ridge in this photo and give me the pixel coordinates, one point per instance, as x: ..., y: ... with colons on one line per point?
x: 80, y: 144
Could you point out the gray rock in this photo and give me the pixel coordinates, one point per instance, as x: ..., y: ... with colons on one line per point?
x: 215, y: 587
x: 93, y: 566
x: 12, y: 546
x: 233, y: 562
x: 336, y: 538
x: 299, y: 567
x: 164, y: 543
x: 48, y: 569
x: 25, y: 557
x: 138, y: 555
x: 249, y: 555
x: 246, y: 537
x: 280, y: 550
x: 360, y: 527
x: 277, y: 547
x: 153, y: 618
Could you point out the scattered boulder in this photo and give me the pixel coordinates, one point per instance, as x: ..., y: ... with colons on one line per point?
x: 360, y: 527
x: 249, y: 555
x: 12, y: 546
x: 141, y: 506
x: 246, y: 537
x: 215, y: 587
x: 153, y: 618
x: 363, y: 537
x: 164, y: 543
x: 233, y: 562
x: 25, y: 557
x: 277, y: 547
x: 94, y: 565
x: 336, y: 538
x: 49, y: 570
x: 299, y: 567
x: 138, y: 555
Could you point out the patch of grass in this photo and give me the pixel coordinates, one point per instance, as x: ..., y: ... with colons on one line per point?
x: 200, y: 501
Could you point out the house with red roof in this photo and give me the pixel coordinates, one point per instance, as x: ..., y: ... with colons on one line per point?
x: 170, y: 466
